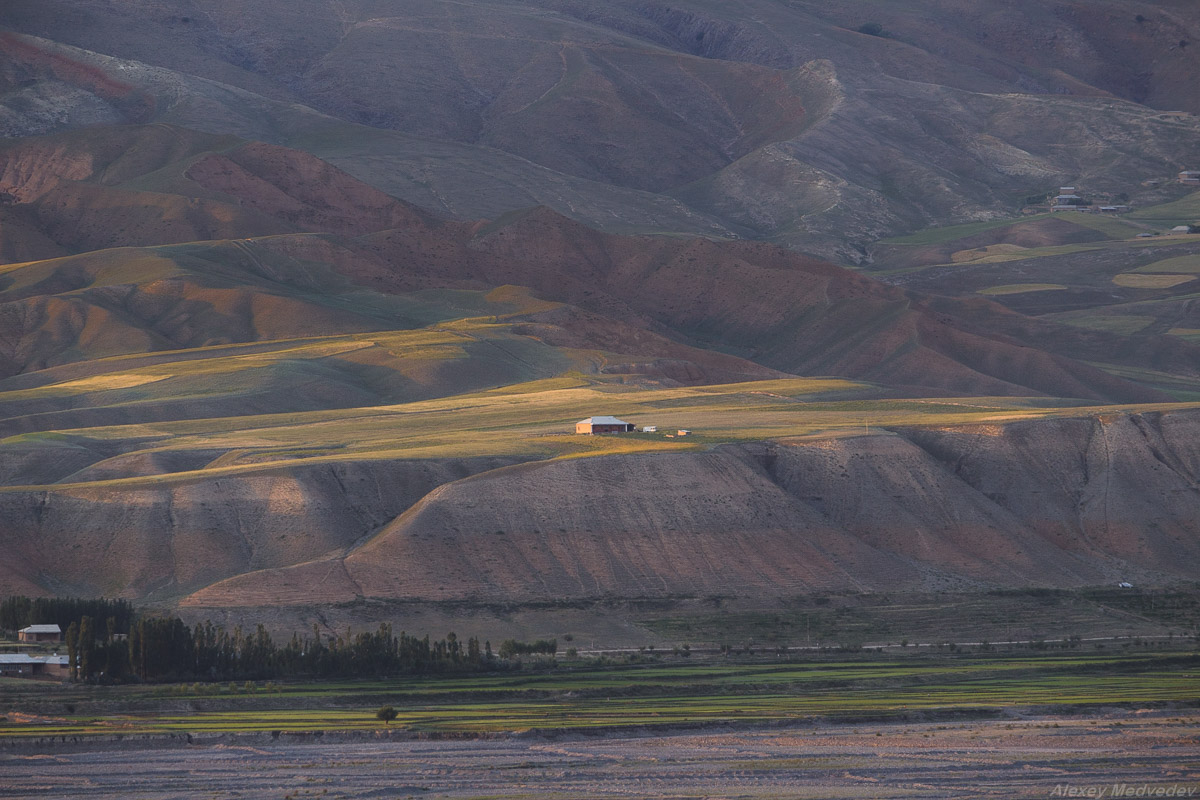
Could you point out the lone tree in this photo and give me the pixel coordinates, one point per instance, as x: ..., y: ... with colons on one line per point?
x: 387, y: 714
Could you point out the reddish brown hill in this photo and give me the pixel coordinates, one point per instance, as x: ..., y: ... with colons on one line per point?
x: 778, y: 308
x: 784, y: 311
x: 787, y: 312
x: 26, y: 62
x: 156, y: 184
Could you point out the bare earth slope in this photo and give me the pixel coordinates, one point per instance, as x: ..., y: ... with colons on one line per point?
x: 1048, y: 503
x: 140, y: 541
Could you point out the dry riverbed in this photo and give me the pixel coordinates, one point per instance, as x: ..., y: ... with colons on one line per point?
x: 1156, y: 753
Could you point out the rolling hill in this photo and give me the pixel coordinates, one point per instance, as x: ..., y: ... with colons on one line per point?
x: 753, y: 301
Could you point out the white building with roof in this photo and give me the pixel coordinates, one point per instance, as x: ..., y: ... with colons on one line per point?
x: 603, y: 425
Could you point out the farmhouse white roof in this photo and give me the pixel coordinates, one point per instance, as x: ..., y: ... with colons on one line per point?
x: 42, y: 629
x: 603, y: 421
x: 25, y: 658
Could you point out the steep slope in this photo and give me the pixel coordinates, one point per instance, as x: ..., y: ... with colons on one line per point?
x: 110, y: 540
x: 1048, y: 503
x: 783, y: 122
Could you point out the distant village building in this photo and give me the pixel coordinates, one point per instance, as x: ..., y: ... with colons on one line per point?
x: 40, y: 633
x: 1067, y: 202
x: 1189, y: 176
x: 1068, y: 199
x: 603, y: 425
x: 1113, y: 209
x: 23, y: 665
x: 1182, y: 229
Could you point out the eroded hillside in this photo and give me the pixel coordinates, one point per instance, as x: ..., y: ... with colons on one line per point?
x: 1064, y: 502
x: 821, y: 126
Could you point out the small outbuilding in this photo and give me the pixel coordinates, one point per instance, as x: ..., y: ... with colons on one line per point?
x: 22, y: 665
x: 40, y: 633
x: 603, y: 425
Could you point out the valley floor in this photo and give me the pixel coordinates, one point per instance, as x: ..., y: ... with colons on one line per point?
x: 1117, y: 754
x: 867, y: 725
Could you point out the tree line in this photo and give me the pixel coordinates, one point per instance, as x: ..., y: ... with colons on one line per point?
x: 122, y: 647
x: 167, y: 649
x: 18, y: 612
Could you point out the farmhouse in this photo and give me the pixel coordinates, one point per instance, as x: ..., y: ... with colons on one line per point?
x: 1189, y: 176
x: 603, y: 425
x: 1067, y: 202
x: 23, y: 665
x: 40, y: 633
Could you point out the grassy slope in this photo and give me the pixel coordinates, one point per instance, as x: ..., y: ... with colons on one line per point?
x: 1185, y: 211
x: 538, y: 419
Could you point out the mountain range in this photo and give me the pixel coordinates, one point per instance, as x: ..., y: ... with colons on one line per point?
x: 298, y: 305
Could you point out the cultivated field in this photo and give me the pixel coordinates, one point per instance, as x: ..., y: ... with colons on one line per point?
x: 601, y: 696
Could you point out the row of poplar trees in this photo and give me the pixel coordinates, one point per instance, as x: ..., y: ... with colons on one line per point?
x: 166, y: 649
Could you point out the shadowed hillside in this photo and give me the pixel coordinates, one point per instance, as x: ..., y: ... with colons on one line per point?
x: 822, y: 126
x: 1045, y: 503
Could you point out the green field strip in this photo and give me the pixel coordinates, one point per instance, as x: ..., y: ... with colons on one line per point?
x: 1183, y: 265
x: 951, y: 232
x: 639, y: 696
x: 1184, y: 209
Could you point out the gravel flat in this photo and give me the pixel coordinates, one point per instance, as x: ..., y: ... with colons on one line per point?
x: 977, y: 759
